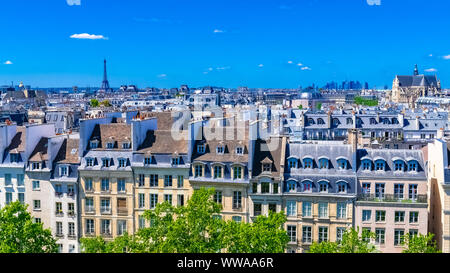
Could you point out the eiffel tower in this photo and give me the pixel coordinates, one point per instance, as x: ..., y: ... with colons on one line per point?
x: 105, y: 84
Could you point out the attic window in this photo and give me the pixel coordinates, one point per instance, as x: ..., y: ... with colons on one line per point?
x: 176, y: 161
x: 122, y: 162
x: 239, y: 150
x: 105, y: 162
x: 220, y: 149
x: 126, y: 145
x: 94, y: 144
x: 35, y: 166
x: 63, y: 171
x: 89, y: 162
x: 148, y: 160
x: 201, y: 148
x: 14, y: 158
x: 267, y: 167
x: 110, y: 145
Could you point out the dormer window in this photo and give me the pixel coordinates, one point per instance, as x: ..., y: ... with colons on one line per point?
x: 220, y: 149
x: 342, y: 187
x: 14, y: 158
x: 110, y: 145
x: 320, y: 121
x: 106, y: 162
x: 342, y: 163
x: 311, y: 121
x: 373, y: 121
x: 413, y: 166
x: 35, y: 166
x: 148, y: 160
x: 198, y: 171
x: 323, y: 186
x: 201, y: 148
x: 380, y: 165
x: 291, y: 186
x: 349, y: 121
x: 307, y: 186
x: 94, y: 144
x: 126, y: 145
x: 336, y: 122
x: 63, y: 171
x: 308, y: 163
x: 267, y: 167
x: 176, y: 161
x: 292, y: 163
x: 122, y: 162
x: 367, y: 165
x: 323, y: 163
x: 89, y: 162
x: 399, y: 166
x: 239, y: 150
x: 237, y: 172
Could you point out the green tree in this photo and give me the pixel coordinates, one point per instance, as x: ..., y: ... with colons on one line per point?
x: 420, y: 244
x: 319, y: 106
x: 106, y: 103
x: 18, y: 233
x: 300, y: 107
x: 352, y: 242
x: 95, y: 103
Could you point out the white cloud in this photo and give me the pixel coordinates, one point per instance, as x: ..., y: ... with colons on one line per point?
x: 431, y: 70
x: 210, y: 69
x: 162, y: 75
x: 446, y: 57
x: 261, y: 65
x: 8, y: 62
x: 223, y: 68
x: 305, y: 68
x: 300, y: 64
x: 73, y: 2
x: 218, y: 31
x: 88, y: 36
x: 290, y: 62
x: 431, y: 55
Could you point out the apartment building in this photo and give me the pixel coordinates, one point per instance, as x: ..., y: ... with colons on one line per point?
x: 392, y: 195
x: 318, y: 193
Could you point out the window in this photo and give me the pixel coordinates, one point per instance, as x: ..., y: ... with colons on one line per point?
x: 275, y: 188
x: 399, y: 165
x: 141, y: 200
x: 220, y: 149
x: 292, y: 163
x: 8, y: 198
x: 379, y: 165
x: 176, y: 161
x: 291, y: 185
x: 291, y: 208
x: 121, y: 227
x: 413, y: 217
x: 307, y: 234
x: 307, y: 209
x: 323, y: 186
x: 59, y: 229
x: 59, y: 209
x: 88, y: 184
x: 89, y: 204
x: 105, y: 184
x: 308, y: 163
x: 37, y: 220
x: 180, y: 181
x: 399, y: 216
x: 237, y: 219
x: 35, y: 166
x: 265, y: 187
x: 272, y: 207
x: 20, y: 180
x: 168, y: 198
x: 341, y: 211
x: 380, y: 234
x: 237, y: 200
x: 153, y: 180
x: 218, y: 197
x: 379, y: 190
x: 342, y: 164
x: 366, y: 188
x: 367, y: 165
x: 153, y: 200
x: 7, y: 179
x: 413, y: 232
x: 339, y: 233
x: 323, y: 234
x: 21, y: 197
x: 239, y: 150
x: 58, y: 189
x: 37, y: 204
x: 413, y: 191
x: 106, y: 227
x: 366, y: 215
x: 141, y: 221
x: 217, y: 172
x: 167, y: 181
x: 14, y: 158
x: 105, y: 162
x: 323, y: 163
x: 267, y: 167
x: 365, y: 234
x: 292, y: 233
x: 237, y: 172
x: 398, y: 236
x: 110, y: 145
x: 180, y: 200
x: 63, y: 171
x: 71, y: 248
x: 257, y: 209
x: 122, y: 162
x: 398, y: 191
x: 413, y: 166
x: 323, y: 210
x: 342, y: 187
x: 105, y: 205
x: 201, y: 149
x: 71, y: 209
x: 94, y: 144
x: 198, y: 171
x: 121, y: 185
x: 90, y: 226
x: 71, y: 228
x: 380, y: 216
x: 307, y: 186
x: 147, y: 161
x: 126, y: 145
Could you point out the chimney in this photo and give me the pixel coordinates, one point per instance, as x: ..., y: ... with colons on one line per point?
x: 441, y: 133
x: 353, y: 139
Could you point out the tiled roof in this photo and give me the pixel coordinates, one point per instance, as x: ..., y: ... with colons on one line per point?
x: 162, y: 142
x: 40, y: 153
x: 68, y: 153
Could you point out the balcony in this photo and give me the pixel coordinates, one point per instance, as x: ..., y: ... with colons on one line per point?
x: 58, y: 194
x: 59, y: 214
x: 421, y: 198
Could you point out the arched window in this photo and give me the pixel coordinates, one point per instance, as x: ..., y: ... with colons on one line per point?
x: 380, y: 165
x: 308, y: 163
x: 395, y: 121
x: 342, y: 163
x: 291, y: 186
x: 336, y: 122
x: 323, y: 186
x: 292, y: 163
x: 307, y: 186
x: 311, y: 121
x: 349, y: 121
x: 373, y: 121
x: 320, y: 121
x: 342, y: 187
x: 413, y: 166
x: 367, y: 165
x: 323, y: 163
x: 399, y: 165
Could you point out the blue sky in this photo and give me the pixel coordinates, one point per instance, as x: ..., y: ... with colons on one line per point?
x: 230, y: 43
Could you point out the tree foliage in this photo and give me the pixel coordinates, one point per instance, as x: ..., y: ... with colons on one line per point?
x: 94, y: 103
x: 105, y: 103
x: 352, y: 242
x: 366, y: 102
x: 420, y: 244
x: 197, y: 228
x: 18, y: 233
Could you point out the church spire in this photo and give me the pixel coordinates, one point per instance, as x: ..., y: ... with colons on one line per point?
x: 416, y: 71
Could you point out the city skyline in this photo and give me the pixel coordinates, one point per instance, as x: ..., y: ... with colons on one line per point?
x: 271, y: 44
